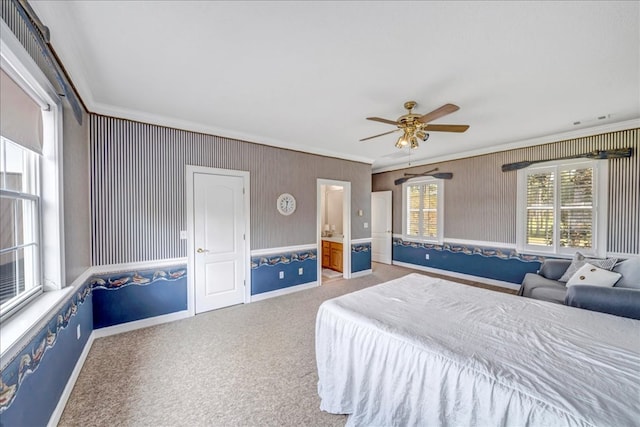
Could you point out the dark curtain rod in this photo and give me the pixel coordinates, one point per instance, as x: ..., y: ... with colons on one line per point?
x: 597, y: 154
x: 41, y: 35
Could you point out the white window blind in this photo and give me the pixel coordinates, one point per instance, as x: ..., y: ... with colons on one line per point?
x: 20, y: 115
x: 560, y: 208
x: 540, y: 212
x: 576, y: 208
x: 422, y: 210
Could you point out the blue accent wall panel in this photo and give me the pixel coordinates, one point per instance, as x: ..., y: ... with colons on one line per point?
x: 265, y: 270
x: 33, y: 382
x: 491, y: 263
x: 126, y: 297
x: 360, y: 257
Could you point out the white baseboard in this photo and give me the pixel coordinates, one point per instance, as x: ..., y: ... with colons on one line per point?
x: 71, y: 382
x: 139, y: 324
x: 279, y: 292
x: 361, y: 273
x: 478, y: 279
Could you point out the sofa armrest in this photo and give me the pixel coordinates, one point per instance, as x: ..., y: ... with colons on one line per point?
x: 554, y: 268
x: 622, y: 302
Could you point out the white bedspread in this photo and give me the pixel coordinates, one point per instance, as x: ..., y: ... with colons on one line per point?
x: 429, y: 352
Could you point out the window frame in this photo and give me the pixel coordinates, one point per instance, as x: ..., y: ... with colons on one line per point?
x: 439, y: 209
x: 32, y: 168
x: 599, y: 208
x: 18, y: 64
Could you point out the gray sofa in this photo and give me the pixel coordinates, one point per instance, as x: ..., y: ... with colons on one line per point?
x: 623, y: 299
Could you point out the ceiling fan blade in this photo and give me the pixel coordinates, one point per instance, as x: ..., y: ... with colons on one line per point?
x: 438, y: 112
x: 375, y: 136
x: 381, y: 120
x: 446, y: 128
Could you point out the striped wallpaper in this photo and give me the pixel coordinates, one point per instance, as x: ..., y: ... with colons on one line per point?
x: 480, y: 200
x: 138, y: 189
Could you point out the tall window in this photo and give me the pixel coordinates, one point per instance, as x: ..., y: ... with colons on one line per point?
x: 562, y: 207
x: 30, y: 176
x: 20, y: 275
x: 422, y: 210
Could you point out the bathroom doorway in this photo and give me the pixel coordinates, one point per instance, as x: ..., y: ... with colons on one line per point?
x: 334, y: 230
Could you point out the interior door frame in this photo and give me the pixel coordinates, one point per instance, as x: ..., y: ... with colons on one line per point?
x: 346, y: 226
x: 190, y: 171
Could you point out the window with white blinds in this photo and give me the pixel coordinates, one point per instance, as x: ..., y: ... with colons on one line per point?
x: 422, y: 210
x: 576, y: 208
x: 558, y: 207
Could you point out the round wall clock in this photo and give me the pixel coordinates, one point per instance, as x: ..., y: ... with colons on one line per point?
x: 286, y: 204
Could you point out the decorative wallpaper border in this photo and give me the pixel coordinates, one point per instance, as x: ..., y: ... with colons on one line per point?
x: 28, y: 360
x: 283, y: 258
x: 361, y: 247
x: 471, y: 250
x: 111, y: 281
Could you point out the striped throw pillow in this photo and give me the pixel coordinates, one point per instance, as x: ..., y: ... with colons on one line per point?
x: 579, y: 260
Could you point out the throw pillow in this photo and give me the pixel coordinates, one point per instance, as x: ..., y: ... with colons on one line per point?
x: 579, y: 260
x: 589, y: 274
x: 630, y: 270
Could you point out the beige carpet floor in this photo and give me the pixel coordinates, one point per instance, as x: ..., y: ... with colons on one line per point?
x: 246, y: 365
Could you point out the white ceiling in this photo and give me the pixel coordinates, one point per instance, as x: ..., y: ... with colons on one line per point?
x: 304, y: 75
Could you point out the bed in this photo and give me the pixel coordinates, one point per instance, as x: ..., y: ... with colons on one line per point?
x: 424, y: 351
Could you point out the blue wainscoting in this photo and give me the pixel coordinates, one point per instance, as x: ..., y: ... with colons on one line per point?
x: 265, y: 270
x: 360, y: 257
x: 33, y: 382
x: 126, y: 297
x: 493, y: 263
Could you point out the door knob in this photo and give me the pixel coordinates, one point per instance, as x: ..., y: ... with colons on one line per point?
x: 201, y: 251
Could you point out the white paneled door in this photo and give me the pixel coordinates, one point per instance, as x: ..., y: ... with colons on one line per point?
x: 219, y: 240
x: 381, y: 226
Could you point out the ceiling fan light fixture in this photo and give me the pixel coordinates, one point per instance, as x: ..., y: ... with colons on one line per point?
x: 402, y: 141
x: 414, y: 142
x: 422, y: 135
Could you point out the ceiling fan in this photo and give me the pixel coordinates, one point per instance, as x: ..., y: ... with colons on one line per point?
x: 415, y: 126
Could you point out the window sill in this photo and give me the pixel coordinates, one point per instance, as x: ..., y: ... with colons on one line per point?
x: 16, y: 331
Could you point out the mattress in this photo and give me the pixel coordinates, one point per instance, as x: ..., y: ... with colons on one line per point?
x: 425, y: 351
